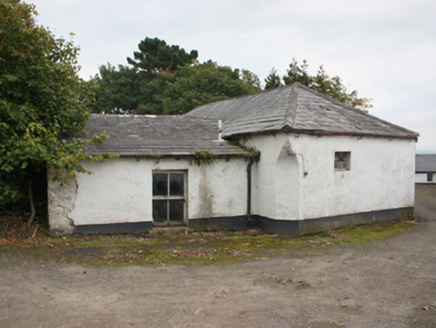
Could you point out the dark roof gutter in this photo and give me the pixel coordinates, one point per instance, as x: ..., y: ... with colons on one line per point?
x: 325, y: 133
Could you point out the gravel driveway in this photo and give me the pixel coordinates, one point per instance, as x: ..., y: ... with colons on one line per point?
x: 391, y: 283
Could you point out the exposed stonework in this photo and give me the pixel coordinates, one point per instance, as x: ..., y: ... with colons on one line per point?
x: 61, y: 199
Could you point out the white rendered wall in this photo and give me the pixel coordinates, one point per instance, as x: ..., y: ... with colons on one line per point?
x: 120, y: 191
x: 294, y: 180
x: 381, y: 176
x: 422, y: 178
x: 275, y: 192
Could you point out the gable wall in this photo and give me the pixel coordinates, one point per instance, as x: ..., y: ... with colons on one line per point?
x: 306, y: 186
x: 120, y: 191
x: 381, y: 175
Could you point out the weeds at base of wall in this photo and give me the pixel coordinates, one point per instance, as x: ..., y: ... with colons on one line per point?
x: 191, y: 248
x: 14, y: 227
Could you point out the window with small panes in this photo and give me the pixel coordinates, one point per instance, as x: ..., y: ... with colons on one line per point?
x: 342, y: 160
x: 169, y: 202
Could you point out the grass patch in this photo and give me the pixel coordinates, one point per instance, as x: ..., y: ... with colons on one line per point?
x: 193, y: 248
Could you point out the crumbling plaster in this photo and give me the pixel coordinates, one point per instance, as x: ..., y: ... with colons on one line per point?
x: 302, y: 184
x: 120, y: 191
x: 61, y: 200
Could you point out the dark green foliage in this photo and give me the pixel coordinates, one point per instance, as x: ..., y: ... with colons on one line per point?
x: 167, y: 80
x: 204, y: 157
x: 333, y: 87
x: 42, y: 100
x: 205, y: 83
x: 251, y: 80
x: 153, y: 92
x: 116, y: 91
x: 155, y: 55
x: 138, y: 89
x: 273, y: 80
x: 330, y: 86
x: 297, y: 73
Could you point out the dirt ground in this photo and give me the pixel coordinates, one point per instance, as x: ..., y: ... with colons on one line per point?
x: 391, y: 283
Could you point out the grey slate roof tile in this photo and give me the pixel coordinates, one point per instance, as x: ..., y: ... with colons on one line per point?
x: 144, y: 135
x: 294, y: 108
x: 299, y: 109
x: 425, y: 163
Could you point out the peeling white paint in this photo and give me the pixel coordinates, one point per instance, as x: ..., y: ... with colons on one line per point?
x: 295, y: 179
x: 61, y: 201
x: 381, y: 176
x: 120, y: 191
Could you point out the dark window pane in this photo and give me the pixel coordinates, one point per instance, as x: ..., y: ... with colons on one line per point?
x: 177, y: 184
x: 176, y: 210
x: 160, y: 184
x: 342, y: 160
x: 159, y: 210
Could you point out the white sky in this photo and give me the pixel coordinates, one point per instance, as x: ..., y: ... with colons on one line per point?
x: 384, y: 49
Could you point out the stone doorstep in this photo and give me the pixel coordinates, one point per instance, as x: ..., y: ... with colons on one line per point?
x: 171, y: 229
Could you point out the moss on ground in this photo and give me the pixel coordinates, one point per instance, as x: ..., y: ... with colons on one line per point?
x: 193, y: 248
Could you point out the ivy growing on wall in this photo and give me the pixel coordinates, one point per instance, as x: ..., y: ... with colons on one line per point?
x: 204, y: 157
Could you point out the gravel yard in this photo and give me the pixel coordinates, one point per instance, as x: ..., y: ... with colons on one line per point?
x: 388, y: 283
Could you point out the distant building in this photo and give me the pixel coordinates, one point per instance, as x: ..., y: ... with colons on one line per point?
x: 289, y: 160
x: 425, y: 168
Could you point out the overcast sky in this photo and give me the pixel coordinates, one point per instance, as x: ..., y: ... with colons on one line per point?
x: 384, y: 49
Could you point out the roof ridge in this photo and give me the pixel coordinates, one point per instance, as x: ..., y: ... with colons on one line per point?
x: 238, y: 97
x: 322, y: 95
x: 291, y: 112
x: 297, y: 107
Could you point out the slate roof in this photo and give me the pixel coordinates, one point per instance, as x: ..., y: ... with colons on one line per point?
x: 299, y: 109
x: 145, y: 135
x: 425, y: 163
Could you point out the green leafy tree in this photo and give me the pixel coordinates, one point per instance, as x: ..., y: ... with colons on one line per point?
x: 154, y: 91
x: 330, y: 86
x: 273, y: 80
x: 117, y: 91
x: 165, y: 79
x: 139, y: 88
x: 204, y: 83
x: 156, y: 55
x: 42, y: 102
x: 251, y: 80
x: 297, y: 73
x: 334, y: 88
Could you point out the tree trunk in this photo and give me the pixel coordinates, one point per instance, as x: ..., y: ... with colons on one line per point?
x: 32, y: 206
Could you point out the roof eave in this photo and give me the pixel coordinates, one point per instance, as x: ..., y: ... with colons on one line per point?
x: 354, y: 134
x: 178, y: 156
x: 287, y: 129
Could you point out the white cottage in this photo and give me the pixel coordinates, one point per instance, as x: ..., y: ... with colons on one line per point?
x: 289, y: 160
x: 425, y: 169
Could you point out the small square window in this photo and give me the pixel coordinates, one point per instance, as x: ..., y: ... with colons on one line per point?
x: 342, y: 160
